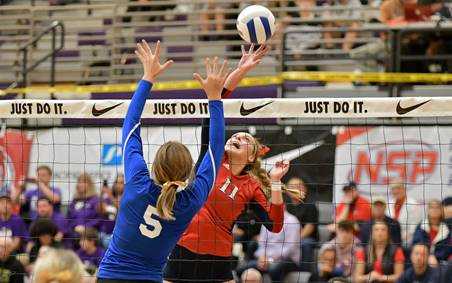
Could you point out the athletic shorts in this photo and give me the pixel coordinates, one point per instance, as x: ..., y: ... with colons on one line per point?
x: 186, y: 266
x: 100, y: 280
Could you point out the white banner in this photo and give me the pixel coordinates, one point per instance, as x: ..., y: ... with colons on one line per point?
x: 375, y: 157
x: 235, y: 108
x: 97, y: 151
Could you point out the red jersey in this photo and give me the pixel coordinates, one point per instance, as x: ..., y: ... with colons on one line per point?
x: 210, y: 231
x: 360, y: 210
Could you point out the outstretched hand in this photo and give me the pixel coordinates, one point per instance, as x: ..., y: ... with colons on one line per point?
x: 250, y: 59
x: 279, y: 170
x: 151, y: 60
x: 215, y: 78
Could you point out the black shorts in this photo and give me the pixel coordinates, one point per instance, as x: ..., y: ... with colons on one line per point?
x: 100, y: 280
x: 186, y: 266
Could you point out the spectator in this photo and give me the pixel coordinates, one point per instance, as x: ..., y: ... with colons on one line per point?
x: 62, y: 266
x: 392, y: 11
x: 380, y: 261
x: 420, y: 271
x: 12, y: 271
x: 46, y: 211
x: 110, y: 205
x: 435, y: 233
x: 278, y: 253
x: 42, y: 188
x: 405, y: 210
x: 11, y: 225
x: 353, y: 206
x: 251, y: 275
x: 308, y: 216
x: 83, y: 211
x: 90, y: 253
x: 447, y: 211
x: 378, y: 214
x: 349, y: 15
x: 213, y: 10
x: 42, y: 232
x: 326, y: 265
x: 346, y: 244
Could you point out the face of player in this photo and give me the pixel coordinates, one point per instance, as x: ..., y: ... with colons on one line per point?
x: 380, y: 233
x: 44, y: 208
x: 419, y: 257
x: 241, y: 147
x: 44, y: 176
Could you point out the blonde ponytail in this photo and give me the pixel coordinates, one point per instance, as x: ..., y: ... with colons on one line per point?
x: 262, y: 177
x: 167, y: 198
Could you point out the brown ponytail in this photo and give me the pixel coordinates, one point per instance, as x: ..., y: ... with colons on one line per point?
x: 172, y: 167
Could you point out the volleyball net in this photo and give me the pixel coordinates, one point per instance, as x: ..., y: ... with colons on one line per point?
x: 330, y: 142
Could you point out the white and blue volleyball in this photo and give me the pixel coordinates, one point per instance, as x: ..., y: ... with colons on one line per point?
x: 256, y: 24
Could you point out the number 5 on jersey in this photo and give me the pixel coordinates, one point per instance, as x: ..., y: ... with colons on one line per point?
x: 152, y: 222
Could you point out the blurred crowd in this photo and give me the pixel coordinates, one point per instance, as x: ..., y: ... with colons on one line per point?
x: 32, y: 217
x: 377, y: 240
x: 374, y: 240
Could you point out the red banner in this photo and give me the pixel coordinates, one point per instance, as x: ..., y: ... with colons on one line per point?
x: 15, y: 148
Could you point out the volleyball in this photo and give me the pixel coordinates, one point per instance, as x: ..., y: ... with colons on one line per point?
x: 256, y: 24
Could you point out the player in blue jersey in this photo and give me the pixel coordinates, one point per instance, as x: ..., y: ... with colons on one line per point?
x: 154, y: 212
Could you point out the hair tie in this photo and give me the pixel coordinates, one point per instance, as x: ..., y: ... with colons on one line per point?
x: 263, y: 150
x: 180, y: 185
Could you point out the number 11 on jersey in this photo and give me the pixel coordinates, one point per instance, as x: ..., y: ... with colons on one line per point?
x: 227, y: 183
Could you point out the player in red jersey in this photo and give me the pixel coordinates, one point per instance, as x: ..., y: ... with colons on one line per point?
x: 204, y: 253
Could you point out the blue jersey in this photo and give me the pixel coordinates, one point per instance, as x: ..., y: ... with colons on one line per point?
x: 141, y: 240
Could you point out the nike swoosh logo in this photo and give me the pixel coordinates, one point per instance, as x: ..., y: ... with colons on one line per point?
x: 246, y: 112
x: 98, y: 112
x: 403, y: 110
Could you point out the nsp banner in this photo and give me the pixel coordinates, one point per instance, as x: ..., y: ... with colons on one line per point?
x: 375, y: 157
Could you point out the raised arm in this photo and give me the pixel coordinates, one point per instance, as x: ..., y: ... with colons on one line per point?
x: 134, y: 163
x: 212, y: 85
x: 248, y: 61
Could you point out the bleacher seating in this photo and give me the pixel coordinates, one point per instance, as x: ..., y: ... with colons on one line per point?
x: 100, y: 37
